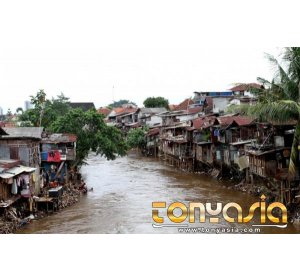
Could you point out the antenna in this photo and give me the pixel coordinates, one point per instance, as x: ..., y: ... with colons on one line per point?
x: 113, y: 93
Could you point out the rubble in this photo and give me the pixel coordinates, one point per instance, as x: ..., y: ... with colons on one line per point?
x: 12, y: 219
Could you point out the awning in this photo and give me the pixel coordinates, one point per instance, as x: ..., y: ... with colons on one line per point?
x: 202, y: 143
x: 9, y: 173
x: 243, y: 142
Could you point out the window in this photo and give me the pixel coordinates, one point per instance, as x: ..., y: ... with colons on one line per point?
x: 14, y: 152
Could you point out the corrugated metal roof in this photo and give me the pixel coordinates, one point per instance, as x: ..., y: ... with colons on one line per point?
x: 203, y: 122
x: 23, y: 132
x: 2, y: 131
x: 157, y: 110
x: 241, y: 120
x: 153, y: 131
x: 247, y: 87
x: 59, y: 138
x: 9, y: 173
x: 242, y: 142
x: 104, y: 111
x: 184, y: 104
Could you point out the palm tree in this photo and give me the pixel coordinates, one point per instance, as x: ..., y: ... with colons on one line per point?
x: 280, y: 102
x: 19, y: 110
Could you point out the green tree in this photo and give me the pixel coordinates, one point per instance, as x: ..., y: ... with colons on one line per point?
x: 119, y: 103
x: 155, y: 102
x: 280, y: 101
x: 92, y: 134
x: 136, y: 138
x: 45, y: 111
x: 19, y: 110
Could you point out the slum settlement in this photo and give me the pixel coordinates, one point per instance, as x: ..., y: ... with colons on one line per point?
x: 36, y: 175
x: 198, y: 135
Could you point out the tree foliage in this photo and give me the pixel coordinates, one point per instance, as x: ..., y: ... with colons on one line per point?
x: 155, y: 102
x: 45, y: 111
x: 136, y: 138
x: 280, y: 101
x: 92, y: 134
x: 119, y: 103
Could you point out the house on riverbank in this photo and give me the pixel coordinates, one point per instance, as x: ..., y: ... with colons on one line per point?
x: 58, y: 151
x: 23, y: 144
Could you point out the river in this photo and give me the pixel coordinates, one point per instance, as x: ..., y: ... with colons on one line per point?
x: 122, y: 196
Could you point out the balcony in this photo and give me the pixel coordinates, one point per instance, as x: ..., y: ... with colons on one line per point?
x: 177, y: 138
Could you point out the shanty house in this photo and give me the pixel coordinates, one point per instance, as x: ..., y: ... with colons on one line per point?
x: 202, y: 139
x: 151, y: 116
x: 22, y: 144
x: 152, y: 140
x: 58, y: 150
x: 16, y: 181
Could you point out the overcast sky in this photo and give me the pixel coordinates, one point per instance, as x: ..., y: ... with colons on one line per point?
x: 84, y: 49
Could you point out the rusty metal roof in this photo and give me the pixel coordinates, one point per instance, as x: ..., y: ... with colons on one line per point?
x: 16, y: 171
x: 59, y: 138
x: 153, y: 131
x: 23, y: 132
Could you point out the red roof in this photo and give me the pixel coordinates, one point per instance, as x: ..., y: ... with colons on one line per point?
x: 118, y: 110
x: 198, y: 123
x: 195, y: 110
x: 246, y: 87
x: 184, y: 105
x: 104, y: 111
x: 123, y: 111
x: 203, y: 122
x: 240, y: 120
x: 225, y: 120
x: 7, y: 124
x: 172, y: 107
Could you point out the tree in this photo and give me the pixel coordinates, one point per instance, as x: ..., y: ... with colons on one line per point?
x: 136, y: 138
x: 19, y: 110
x: 45, y: 111
x: 280, y: 101
x: 155, y: 102
x: 92, y: 134
x: 9, y: 113
x: 119, y: 103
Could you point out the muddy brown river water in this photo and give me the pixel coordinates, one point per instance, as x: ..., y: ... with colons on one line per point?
x: 123, y: 192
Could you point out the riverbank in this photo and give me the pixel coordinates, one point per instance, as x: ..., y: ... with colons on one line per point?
x: 237, y: 181
x: 15, y: 218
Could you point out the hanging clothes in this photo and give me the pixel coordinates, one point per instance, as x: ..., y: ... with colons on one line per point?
x: 34, y: 177
x: 25, y: 179
x: 217, y: 133
x: 14, y: 187
x: 10, y: 181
